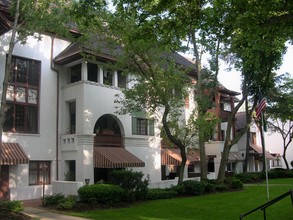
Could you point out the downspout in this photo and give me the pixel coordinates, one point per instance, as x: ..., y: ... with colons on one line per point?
x: 57, y: 109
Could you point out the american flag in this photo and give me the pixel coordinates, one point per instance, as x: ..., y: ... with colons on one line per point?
x: 261, y: 106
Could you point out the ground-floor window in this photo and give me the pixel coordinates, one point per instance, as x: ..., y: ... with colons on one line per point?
x: 39, y: 172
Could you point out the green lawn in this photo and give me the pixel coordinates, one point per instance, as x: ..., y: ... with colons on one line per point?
x: 216, y: 206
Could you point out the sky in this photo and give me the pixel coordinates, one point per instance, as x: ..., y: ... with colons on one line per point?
x: 232, y: 79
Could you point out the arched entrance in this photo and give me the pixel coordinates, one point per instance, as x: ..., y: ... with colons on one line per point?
x: 109, y: 151
x: 108, y: 134
x: 108, y: 124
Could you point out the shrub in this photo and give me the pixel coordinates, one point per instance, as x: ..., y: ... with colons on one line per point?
x: 280, y: 173
x: 249, y: 177
x: 133, y: 183
x: 101, y: 193
x: 53, y: 200
x: 161, y: 194
x: 191, y: 187
x: 209, y: 186
x: 68, y: 202
x: 221, y: 187
x: 11, y: 206
x: 233, y: 183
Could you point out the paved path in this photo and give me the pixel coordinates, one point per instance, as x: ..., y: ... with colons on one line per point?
x: 33, y: 208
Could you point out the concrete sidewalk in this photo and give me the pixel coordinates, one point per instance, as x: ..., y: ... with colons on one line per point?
x: 33, y: 208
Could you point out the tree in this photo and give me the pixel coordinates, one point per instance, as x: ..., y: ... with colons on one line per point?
x: 257, y: 51
x: 172, y: 22
x: 280, y: 111
x: 161, y: 83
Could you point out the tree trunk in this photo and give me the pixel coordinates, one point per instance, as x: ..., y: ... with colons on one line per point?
x: 285, y: 160
x: 176, y: 142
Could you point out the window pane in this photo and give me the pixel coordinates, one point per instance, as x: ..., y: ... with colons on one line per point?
x: 121, y: 80
x: 33, y: 75
x: 20, y: 94
x: 142, y: 126
x: 75, y: 73
x: 32, y: 96
x: 32, y: 119
x: 19, y: 117
x: 21, y: 70
x: 108, y: 76
x: 92, y: 72
x: 9, y: 119
x: 33, y: 177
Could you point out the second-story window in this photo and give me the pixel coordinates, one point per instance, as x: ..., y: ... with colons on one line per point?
x: 23, y: 96
x: 141, y: 125
x: 121, y: 80
x: 108, y: 77
x: 75, y: 73
x: 92, y: 72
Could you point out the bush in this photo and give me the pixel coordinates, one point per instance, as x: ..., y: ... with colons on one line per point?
x: 280, y: 173
x: 101, y: 193
x: 68, y: 202
x: 249, y: 177
x: 53, y: 200
x: 133, y: 183
x: 11, y: 206
x: 221, y: 187
x: 234, y: 183
x: 161, y: 194
x: 191, y: 187
x: 209, y: 186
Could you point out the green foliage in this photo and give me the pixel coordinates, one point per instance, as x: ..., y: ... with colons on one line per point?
x: 221, y: 187
x: 68, y: 202
x: 154, y: 194
x: 249, y: 177
x: 101, y: 193
x: 191, y: 187
x: 280, y: 173
x: 11, y: 206
x: 135, y: 186
x: 53, y: 200
x: 233, y: 183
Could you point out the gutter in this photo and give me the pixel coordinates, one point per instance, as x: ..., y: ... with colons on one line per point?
x: 57, y: 108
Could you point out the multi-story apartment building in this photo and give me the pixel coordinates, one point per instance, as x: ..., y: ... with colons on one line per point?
x: 61, y: 121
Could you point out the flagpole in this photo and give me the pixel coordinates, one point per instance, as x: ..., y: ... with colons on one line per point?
x: 264, y: 154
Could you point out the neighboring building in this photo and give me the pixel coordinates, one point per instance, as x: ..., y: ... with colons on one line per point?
x: 61, y: 122
x: 224, y: 101
x: 255, y: 159
x: 274, y: 143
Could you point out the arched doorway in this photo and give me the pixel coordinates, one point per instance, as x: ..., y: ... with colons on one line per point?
x: 109, y: 150
x: 108, y: 133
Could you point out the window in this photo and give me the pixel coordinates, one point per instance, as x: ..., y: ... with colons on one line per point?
x: 108, y: 77
x: 142, y: 125
x: 121, y: 80
x: 39, y: 172
x: 72, y: 117
x: 92, y: 72
x: 23, y: 96
x: 75, y: 73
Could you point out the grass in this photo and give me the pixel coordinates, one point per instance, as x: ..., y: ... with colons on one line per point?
x: 215, y: 206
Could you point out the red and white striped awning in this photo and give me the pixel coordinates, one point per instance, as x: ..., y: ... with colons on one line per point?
x: 115, y: 157
x: 12, y: 153
x: 172, y: 156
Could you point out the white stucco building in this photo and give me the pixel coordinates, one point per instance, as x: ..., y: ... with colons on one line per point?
x: 61, y: 123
